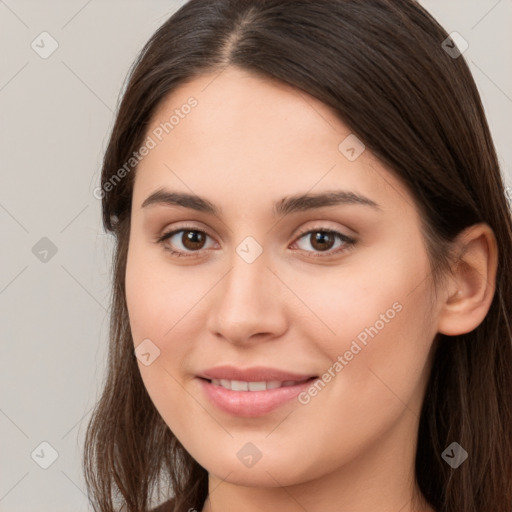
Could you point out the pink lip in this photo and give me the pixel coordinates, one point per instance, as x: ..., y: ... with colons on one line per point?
x: 250, y: 404
x: 253, y: 374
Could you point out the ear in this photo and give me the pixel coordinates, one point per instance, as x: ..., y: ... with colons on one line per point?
x: 470, y: 291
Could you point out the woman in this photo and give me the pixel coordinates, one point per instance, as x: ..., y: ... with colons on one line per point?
x: 312, y: 281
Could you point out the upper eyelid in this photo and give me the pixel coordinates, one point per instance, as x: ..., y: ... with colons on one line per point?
x: 300, y: 231
x: 173, y: 231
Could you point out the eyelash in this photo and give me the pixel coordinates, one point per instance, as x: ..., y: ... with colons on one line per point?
x: 349, y: 242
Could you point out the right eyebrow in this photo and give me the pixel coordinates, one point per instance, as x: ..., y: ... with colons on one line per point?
x: 191, y: 201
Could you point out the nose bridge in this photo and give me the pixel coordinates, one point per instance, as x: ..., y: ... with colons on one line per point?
x: 245, y: 303
x: 249, y: 275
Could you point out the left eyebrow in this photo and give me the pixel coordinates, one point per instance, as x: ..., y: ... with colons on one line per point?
x: 302, y: 202
x: 290, y: 204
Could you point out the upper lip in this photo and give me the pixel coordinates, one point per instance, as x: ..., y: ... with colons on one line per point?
x: 253, y: 374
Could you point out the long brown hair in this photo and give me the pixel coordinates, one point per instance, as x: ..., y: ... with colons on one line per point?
x: 381, y: 66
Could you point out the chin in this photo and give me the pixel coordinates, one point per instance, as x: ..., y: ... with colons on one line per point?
x: 269, y: 471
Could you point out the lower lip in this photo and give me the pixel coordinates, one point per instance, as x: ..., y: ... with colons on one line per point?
x: 250, y: 404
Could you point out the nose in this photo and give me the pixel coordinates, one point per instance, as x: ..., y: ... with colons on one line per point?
x: 248, y: 304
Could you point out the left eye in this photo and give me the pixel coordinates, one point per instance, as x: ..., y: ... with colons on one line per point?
x: 193, y: 240
x: 324, y: 239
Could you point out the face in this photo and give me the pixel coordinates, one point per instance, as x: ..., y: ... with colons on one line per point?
x: 333, y: 297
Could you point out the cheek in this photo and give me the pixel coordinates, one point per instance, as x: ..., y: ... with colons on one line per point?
x: 140, y: 295
x: 154, y: 310
x: 162, y: 304
x: 375, y: 331
x: 381, y: 294
x: 158, y: 296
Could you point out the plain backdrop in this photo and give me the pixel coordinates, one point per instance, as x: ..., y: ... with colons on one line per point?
x: 55, y: 117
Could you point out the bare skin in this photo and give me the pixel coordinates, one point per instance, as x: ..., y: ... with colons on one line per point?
x: 248, y: 143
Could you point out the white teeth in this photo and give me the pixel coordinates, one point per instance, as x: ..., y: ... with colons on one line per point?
x: 239, y: 385
x: 257, y: 386
x: 223, y: 382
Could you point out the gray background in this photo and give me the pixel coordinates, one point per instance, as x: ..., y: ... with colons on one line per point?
x: 56, y: 114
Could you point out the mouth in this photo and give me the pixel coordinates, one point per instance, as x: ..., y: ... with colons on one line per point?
x: 251, y: 399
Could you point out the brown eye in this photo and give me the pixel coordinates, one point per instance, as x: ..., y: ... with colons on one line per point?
x: 323, y: 240
x: 193, y: 240
x: 184, y: 242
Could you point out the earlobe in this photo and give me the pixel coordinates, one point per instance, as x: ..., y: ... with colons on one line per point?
x: 471, y: 290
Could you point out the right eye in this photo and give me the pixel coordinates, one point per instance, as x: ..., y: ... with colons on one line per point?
x: 191, y: 239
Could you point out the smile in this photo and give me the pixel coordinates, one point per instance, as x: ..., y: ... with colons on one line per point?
x: 251, y: 399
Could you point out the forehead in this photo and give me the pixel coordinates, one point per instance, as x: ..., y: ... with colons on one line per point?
x: 251, y: 135
x: 235, y: 107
